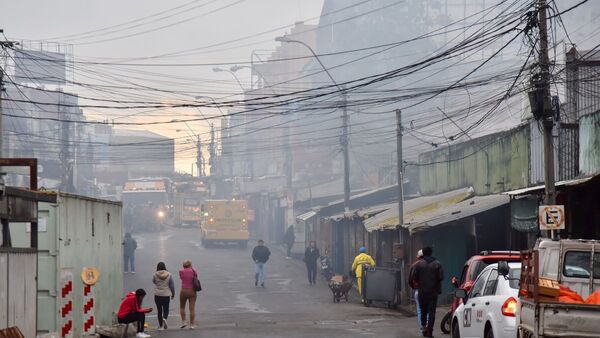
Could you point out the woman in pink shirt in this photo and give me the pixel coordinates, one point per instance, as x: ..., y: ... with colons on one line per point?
x: 187, y: 293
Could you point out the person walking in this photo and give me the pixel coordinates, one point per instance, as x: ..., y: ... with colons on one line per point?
x: 311, y: 255
x: 260, y: 256
x: 415, y: 286
x: 187, y: 294
x: 129, y: 247
x: 357, y: 266
x: 164, y: 291
x: 131, y: 311
x: 289, y: 239
x: 428, y: 274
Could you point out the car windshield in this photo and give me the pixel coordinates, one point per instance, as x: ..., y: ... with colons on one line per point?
x: 514, y: 276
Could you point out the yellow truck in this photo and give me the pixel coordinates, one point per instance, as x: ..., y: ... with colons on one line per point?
x: 225, y: 221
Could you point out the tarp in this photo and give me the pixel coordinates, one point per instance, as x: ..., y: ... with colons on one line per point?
x: 416, y: 209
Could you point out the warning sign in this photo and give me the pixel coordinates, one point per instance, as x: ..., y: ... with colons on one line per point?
x: 552, y: 217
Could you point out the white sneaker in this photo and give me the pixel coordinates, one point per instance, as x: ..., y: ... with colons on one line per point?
x: 142, y: 335
x: 183, y: 325
x: 192, y: 327
x: 165, y: 325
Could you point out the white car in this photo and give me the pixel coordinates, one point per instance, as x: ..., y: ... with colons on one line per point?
x: 489, y: 310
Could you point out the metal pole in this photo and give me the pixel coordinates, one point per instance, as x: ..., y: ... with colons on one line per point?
x: 399, y: 167
x: 346, y: 155
x: 403, y: 235
x: 1, y: 112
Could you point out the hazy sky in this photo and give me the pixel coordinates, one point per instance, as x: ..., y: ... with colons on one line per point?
x: 199, y: 23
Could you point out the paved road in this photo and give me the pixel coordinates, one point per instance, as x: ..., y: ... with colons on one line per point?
x: 231, y: 306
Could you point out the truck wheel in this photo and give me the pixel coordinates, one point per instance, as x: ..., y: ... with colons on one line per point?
x: 445, y: 324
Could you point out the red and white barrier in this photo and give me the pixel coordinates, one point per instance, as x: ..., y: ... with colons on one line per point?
x: 66, y: 303
x: 88, y: 309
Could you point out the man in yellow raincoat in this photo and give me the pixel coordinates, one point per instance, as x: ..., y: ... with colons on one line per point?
x: 362, y: 259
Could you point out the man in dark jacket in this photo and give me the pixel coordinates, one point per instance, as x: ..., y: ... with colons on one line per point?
x: 288, y: 239
x: 311, y: 255
x: 427, y: 275
x: 129, y: 247
x: 260, y: 256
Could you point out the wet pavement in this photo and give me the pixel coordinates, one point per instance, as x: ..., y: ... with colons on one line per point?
x: 231, y: 306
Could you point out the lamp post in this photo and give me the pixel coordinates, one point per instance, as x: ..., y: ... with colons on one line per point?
x: 344, y: 139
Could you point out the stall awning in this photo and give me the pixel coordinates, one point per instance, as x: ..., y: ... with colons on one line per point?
x: 464, y: 209
x: 417, y: 208
x: 306, y: 216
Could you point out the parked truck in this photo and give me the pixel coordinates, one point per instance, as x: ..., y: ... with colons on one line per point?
x: 572, y: 264
x: 188, y: 201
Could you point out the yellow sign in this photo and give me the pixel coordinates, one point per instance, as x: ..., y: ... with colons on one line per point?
x: 90, y: 275
x: 552, y: 217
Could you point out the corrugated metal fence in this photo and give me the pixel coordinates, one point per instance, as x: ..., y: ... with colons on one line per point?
x: 18, y: 289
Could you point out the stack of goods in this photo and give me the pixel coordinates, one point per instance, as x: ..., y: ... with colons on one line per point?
x: 549, y: 290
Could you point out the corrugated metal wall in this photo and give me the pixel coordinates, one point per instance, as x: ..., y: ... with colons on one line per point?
x: 589, y: 144
x: 79, y: 232
x: 490, y: 164
x: 18, y: 290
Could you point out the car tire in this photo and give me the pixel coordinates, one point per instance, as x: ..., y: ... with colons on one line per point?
x: 489, y: 333
x: 446, y: 323
x: 455, y: 330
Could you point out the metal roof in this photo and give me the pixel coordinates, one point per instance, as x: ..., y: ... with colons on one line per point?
x: 416, y: 208
x: 538, y: 188
x: 306, y: 216
x: 466, y: 208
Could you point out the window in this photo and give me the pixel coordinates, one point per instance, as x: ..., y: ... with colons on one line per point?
x: 514, y: 278
x: 476, y: 269
x: 478, y: 286
x: 463, y: 275
x: 577, y: 264
x: 492, y: 281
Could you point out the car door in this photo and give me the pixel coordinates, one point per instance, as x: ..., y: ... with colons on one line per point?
x: 487, y: 303
x: 470, y: 315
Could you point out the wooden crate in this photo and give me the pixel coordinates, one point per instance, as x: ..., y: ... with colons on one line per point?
x: 548, y: 288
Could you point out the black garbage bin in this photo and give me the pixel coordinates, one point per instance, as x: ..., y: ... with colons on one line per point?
x: 381, y: 285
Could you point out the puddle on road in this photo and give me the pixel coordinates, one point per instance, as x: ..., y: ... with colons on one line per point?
x: 243, y: 302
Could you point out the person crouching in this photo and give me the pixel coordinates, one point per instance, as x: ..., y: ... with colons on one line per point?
x: 131, y: 311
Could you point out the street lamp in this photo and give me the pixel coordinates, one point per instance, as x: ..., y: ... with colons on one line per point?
x: 285, y: 39
x: 218, y: 70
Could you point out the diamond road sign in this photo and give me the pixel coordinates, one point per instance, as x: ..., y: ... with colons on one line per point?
x: 552, y: 217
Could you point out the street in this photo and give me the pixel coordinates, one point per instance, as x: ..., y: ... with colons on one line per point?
x: 231, y: 306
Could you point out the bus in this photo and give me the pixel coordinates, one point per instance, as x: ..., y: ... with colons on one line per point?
x: 146, y: 204
x: 225, y: 221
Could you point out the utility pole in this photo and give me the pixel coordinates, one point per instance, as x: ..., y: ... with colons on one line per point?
x: 547, y: 116
x: 1, y: 112
x: 3, y: 45
x: 403, y: 235
x: 212, y: 161
x: 344, y: 142
x: 199, y: 162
